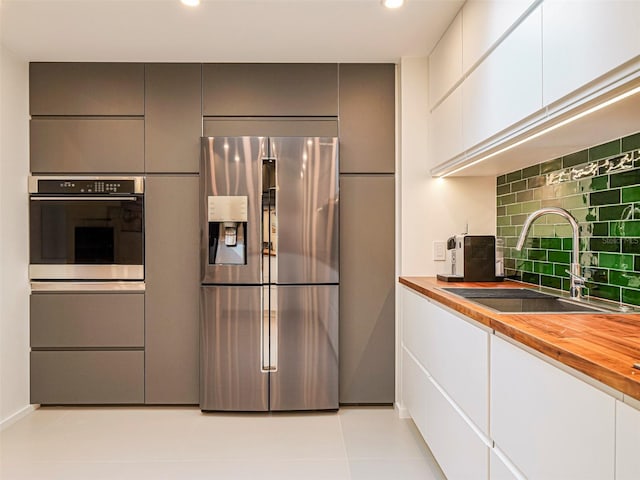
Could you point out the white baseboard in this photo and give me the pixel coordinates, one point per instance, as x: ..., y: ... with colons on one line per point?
x: 402, y: 411
x: 17, y: 416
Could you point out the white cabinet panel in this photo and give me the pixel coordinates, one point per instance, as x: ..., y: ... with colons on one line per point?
x: 584, y: 39
x: 445, y: 62
x: 627, y: 442
x: 507, y: 86
x: 453, y: 351
x: 414, y: 391
x: 550, y: 424
x: 484, y: 22
x: 498, y: 470
x: 445, y: 129
x: 459, y: 451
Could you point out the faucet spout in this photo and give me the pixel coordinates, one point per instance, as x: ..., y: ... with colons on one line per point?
x: 577, y: 281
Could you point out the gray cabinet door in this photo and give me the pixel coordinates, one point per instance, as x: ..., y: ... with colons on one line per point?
x: 257, y: 89
x: 87, y: 377
x: 367, y: 286
x: 367, y: 118
x: 173, y: 117
x: 172, y: 279
x: 96, y: 145
x: 63, y: 320
x: 86, y: 89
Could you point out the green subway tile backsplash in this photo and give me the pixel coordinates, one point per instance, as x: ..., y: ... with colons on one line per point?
x: 600, y: 186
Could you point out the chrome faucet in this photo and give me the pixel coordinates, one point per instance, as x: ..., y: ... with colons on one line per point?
x: 577, y: 280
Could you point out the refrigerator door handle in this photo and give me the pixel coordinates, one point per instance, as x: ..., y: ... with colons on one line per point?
x: 273, y: 330
x: 264, y: 330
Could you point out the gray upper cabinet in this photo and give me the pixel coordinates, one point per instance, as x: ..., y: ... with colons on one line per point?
x: 173, y: 117
x: 87, y: 145
x: 367, y: 289
x: 367, y: 118
x: 172, y: 277
x: 86, y: 89
x: 270, y: 89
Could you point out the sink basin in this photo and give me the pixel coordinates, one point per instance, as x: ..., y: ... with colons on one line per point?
x: 524, y: 300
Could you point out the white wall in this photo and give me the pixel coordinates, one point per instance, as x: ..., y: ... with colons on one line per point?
x: 430, y: 208
x: 14, y: 255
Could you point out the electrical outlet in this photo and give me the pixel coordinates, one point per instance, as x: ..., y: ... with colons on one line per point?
x: 439, y: 251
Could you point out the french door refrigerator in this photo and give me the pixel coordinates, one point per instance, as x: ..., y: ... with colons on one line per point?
x: 269, y: 294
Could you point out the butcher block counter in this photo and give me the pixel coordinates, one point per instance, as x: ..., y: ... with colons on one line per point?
x: 603, y: 346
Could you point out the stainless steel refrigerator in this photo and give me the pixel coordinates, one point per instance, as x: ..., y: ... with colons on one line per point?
x: 269, y: 295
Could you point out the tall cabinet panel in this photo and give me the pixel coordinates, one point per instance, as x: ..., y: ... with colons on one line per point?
x: 367, y: 306
x: 172, y: 290
x: 173, y: 117
x: 367, y: 118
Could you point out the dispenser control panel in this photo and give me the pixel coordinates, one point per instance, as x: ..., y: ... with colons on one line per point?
x: 227, y: 208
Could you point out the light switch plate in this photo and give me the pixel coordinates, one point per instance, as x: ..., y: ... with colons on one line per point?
x: 439, y: 251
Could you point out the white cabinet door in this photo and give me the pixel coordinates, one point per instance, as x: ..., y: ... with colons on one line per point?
x: 551, y: 425
x: 414, y: 391
x: 584, y: 39
x: 445, y: 129
x: 484, y: 22
x: 460, y: 452
x: 627, y: 442
x: 507, y: 86
x: 498, y: 470
x: 445, y: 62
x: 453, y: 351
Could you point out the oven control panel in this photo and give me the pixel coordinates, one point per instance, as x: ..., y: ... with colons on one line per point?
x: 87, y: 187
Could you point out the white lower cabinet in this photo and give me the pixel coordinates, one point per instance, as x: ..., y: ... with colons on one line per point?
x: 551, y: 425
x: 627, y: 442
x: 498, y: 470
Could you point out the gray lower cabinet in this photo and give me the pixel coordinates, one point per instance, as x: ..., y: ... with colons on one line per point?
x: 367, y: 289
x: 172, y: 277
x: 87, y: 377
x: 367, y: 118
x: 87, y: 348
x: 173, y: 117
x: 87, y: 145
x: 86, y: 89
x: 270, y: 89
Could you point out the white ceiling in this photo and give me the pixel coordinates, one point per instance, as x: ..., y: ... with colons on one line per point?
x: 223, y: 30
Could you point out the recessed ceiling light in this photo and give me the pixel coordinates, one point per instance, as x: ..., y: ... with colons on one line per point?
x: 393, y: 3
x: 190, y: 3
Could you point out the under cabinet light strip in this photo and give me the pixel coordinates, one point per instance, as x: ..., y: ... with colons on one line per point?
x: 544, y: 131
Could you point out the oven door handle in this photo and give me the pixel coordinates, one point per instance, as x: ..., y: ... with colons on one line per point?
x: 71, y: 198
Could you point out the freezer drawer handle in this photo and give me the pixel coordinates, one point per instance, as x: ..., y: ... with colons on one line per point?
x: 268, y: 331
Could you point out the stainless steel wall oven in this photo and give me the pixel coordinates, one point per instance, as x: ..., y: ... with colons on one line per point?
x: 86, y: 228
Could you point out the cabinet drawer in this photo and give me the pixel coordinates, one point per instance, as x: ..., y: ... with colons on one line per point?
x: 68, y: 145
x: 86, y: 89
x: 60, y: 320
x: 87, y: 377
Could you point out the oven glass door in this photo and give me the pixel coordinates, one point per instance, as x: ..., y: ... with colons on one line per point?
x: 87, y: 237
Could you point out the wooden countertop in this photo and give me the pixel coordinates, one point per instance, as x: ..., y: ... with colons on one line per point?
x: 603, y: 346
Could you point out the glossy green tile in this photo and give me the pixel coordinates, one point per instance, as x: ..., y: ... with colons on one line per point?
x: 519, y: 186
x: 594, y: 184
x: 551, y: 243
x: 605, y: 291
x: 532, y: 171
x: 631, y: 296
x: 560, y: 269
x: 503, y: 221
x: 624, y: 279
x: 524, y: 265
x: 631, y: 245
x: 623, y: 179
x: 605, y: 150
x: 518, y: 219
x: 552, y: 282
x: 575, y: 159
x: 616, y: 261
x: 513, y: 176
x: 531, y: 278
x: 605, y: 197
x: 501, y: 180
x: 543, y: 230
x: 501, y: 211
x: 598, y: 275
x: 551, y: 202
x: 533, y: 242
x: 535, y: 182
x: 631, y: 142
x: 600, y: 229
x: 508, y: 232
x: 615, y: 212
x: 636, y: 263
x: 574, y: 201
x: 606, y: 244
x: 506, y: 199
x: 514, y: 209
x: 530, y: 207
x: 557, y: 256
x: 631, y: 194
x: 630, y: 228
x: 536, y: 254
x: 563, y: 230
x: 510, y: 241
x: 524, y: 196
x: 503, y: 189
x: 551, y: 165
x: 567, y: 243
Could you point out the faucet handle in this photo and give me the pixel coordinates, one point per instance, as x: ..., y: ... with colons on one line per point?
x: 579, y: 279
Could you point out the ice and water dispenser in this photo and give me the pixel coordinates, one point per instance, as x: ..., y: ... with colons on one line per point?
x: 227, y: 217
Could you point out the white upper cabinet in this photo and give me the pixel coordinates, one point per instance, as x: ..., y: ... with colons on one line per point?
x: 445, y: 129
x: 507, y: 86
x: 551, y: 425
x: 627, y: 442
x: 445, y: 62
x: 585, y: 39
x: 484, y: 22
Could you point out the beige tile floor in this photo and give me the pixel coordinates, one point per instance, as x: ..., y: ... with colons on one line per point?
x: 182, y: 443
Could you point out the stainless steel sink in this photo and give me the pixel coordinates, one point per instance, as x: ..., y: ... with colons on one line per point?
x: 524, y: 300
